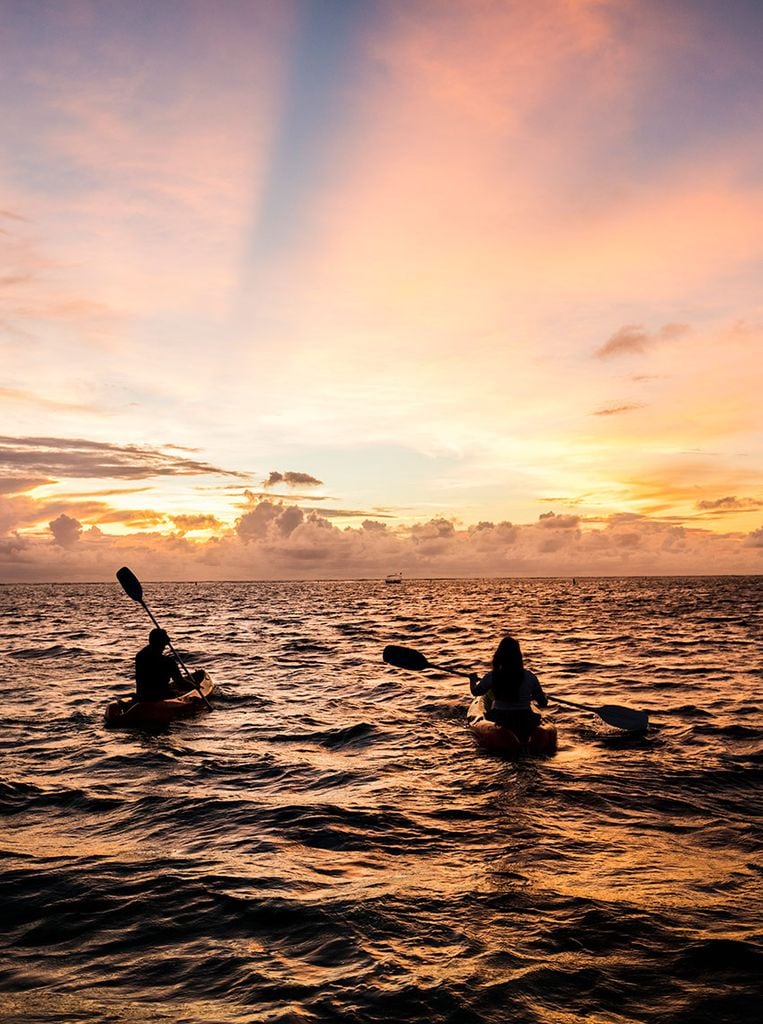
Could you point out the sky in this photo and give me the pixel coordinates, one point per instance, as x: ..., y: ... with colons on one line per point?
x: 335, y: 288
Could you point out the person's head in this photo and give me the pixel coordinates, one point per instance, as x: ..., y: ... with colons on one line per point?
x: 507, y: 660
x: 158, y: 639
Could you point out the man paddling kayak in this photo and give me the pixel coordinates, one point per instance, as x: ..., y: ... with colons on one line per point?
x: 514, y: 689
x: 155, y: 671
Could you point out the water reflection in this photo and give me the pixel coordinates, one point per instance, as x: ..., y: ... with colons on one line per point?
x: 329, y: 844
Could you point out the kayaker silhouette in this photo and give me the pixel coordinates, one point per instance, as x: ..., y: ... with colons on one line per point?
x: 514, y: 689
x: 155, y: 671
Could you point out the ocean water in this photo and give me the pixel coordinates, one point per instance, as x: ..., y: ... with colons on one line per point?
x: 328, y: 844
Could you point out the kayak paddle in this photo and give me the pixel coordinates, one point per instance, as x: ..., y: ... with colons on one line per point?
x: 132, y: 587
x: 612, y: 714
x: 405, y: 657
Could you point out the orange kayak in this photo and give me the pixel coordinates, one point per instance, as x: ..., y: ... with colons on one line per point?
x: 149, y: 714
x: 502, y: 740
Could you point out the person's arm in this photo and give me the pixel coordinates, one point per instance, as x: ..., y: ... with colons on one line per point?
x: 141, y: 681
x: 177, y: 675
x: 141, y: 669
x: 479, y: 686
x: 536, y: 692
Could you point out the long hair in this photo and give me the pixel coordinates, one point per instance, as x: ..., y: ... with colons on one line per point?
x: 508, y: 669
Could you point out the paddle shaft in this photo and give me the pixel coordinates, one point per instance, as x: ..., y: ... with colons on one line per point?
x: 571, y: 703
x: 450, y: 671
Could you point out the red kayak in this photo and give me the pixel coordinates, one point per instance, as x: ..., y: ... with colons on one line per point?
x: 150, y: 714
x: 499, y: 738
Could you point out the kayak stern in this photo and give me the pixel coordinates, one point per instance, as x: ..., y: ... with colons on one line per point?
x: 500, y: 739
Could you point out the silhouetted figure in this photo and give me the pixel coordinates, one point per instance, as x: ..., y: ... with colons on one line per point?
x: 155, y: 672
x: 514, y: 689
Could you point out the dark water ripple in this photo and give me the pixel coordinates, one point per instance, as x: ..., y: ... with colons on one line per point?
x: 329, y: 845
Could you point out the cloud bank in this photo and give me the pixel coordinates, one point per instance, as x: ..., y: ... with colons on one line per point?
x: 278, y: 540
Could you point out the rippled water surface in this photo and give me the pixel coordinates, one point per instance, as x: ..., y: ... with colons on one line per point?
x: 329, y: 845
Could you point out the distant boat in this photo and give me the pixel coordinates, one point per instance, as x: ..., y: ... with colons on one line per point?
x: 393, y: 577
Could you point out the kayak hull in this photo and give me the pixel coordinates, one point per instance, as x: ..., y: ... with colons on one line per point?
x: 155, y: 714
x: 499, y: 739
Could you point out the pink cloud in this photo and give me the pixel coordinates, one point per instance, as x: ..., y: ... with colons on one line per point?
x: 66, y: 531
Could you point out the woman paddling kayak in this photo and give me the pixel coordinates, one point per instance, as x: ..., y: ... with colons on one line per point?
x: 514, y: 689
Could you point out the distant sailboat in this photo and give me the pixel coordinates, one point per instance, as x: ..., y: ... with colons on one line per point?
x: 393, y: 577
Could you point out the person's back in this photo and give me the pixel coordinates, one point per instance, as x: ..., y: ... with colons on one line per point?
x: 519, y: 698
x: 154, y: 671
x: 514, y: 689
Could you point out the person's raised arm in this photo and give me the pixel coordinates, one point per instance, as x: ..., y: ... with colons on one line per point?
x: 479, y: 686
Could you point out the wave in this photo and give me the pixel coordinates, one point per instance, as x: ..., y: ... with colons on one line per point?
x: 21, y: 797
x: 329, y: 845
x: 42, y: 653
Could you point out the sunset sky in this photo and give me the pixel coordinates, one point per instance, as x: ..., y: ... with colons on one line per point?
x: 332, y: 288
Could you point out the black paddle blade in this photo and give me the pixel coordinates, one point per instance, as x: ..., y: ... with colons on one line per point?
x: 130, y: 583
x: 404, y: 657
x: 624, y: 718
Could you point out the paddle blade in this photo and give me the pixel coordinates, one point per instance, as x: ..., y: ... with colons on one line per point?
x: 404, y: 657
x: 130, y: 583
x: 623, y: 718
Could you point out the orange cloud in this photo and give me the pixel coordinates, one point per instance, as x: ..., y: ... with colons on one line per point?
x: 20, y: 484
x: 190, y: 523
